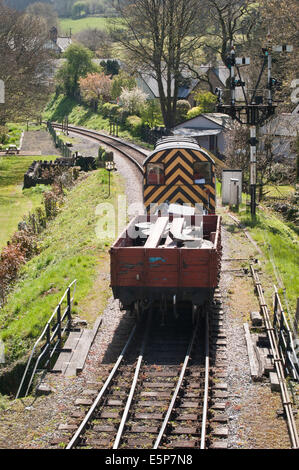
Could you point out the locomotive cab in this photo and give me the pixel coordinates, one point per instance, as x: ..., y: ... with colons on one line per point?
x: 179, y: 171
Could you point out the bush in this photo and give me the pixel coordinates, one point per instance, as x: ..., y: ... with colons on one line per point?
x: 109, y: 109
x: 192, y: 113
x: 11, y: 259
x: 182, y: 108
x: 134, y: 124
x: 103, y: 157
x: 206, y: 100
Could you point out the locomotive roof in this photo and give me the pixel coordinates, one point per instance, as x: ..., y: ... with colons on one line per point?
x: 178, y: 142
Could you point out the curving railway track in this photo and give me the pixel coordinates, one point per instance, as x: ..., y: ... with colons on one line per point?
x: 157, y: 394
x: 130, y: 151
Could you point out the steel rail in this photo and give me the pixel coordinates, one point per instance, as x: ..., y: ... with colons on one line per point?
x: 206, y: 389
x: 100, y: 137
x: 177, y: 389
x: 84, y: 423
x: 277, y: 363
x: 133, y: 387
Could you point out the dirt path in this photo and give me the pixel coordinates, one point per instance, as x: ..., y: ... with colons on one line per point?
x: 39, y: 141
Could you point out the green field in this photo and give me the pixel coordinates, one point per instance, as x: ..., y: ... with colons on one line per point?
x: 83, y: 23
x: 280, y: 245
x: 15, y: 203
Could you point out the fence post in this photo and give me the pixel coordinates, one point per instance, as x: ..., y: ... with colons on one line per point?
x: 48, y: 333
x: 296, y: 317
x: 275, y: 319
x: 59, y: 325
x: 69, y: 307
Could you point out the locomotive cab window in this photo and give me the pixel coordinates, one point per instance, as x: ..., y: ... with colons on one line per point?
x: 155, y: 173
x: 202, y: 173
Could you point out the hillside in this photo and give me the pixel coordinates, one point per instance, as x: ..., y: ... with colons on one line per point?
x: 15, y: 203
x: 69, y: 249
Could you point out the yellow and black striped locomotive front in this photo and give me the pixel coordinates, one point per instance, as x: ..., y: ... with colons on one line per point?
x: 179, y: 171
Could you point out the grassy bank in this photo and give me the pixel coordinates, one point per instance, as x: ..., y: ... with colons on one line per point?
x: 279, y: 244
x: 14, y: 202
x: 69, y: 249
x: 84, y: 116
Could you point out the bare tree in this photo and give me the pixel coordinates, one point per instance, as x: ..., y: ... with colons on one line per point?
x: 96, y: 40
x: 25, y: 64
x: 227, y: 22
x: 158, y: 36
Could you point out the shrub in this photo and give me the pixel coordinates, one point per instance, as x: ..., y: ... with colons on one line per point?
x: 11, y: 259
x: 134, y: 123
x: 182, y: 108
x: 206, y: 100
x: 194, y: 112
x: 109, y: 109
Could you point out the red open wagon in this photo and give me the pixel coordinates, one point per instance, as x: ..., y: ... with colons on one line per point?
x: 166, y: 259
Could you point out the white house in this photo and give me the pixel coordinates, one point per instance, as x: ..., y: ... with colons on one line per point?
x: 208, y: 129
x: 281, y: 132
x: 58, y: 44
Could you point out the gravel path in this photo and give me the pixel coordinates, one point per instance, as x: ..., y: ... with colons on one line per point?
x: 39, y: 141
x: 251, y: 406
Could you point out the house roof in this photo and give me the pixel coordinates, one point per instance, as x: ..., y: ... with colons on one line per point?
x: 152, y: 85
x: 296, y: 110
x: 193, y: 132
x: 63, y: 43
x: 220, y: 120
x: 286, y: 125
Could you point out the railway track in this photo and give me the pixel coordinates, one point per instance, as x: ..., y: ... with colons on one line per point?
x: 130, y: 151
x: 157, y: 394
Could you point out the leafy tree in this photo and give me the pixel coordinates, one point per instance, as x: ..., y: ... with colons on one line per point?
x: 151, y: 113
x: 79, y: 9
x: 120, y: 81
x: 133, y: 100
x: 111, y: 67
x: 78, y: 64
x: 206, y: 100
x: 196, y: 111
x: 95, y: 87
x: 183, y: 106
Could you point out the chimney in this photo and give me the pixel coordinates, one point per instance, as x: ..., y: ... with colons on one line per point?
x: 53, y: 34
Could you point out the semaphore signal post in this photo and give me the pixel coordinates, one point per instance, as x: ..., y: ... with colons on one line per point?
x: 251, y: 111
